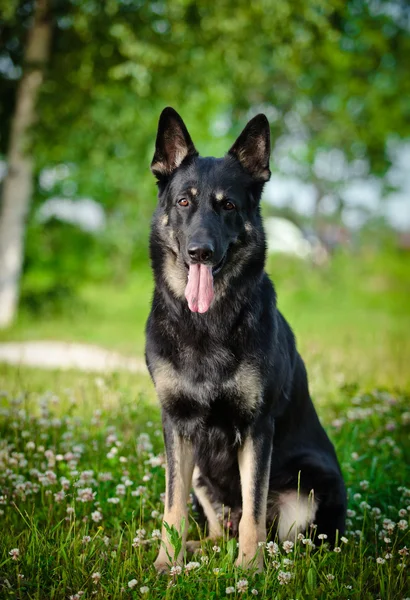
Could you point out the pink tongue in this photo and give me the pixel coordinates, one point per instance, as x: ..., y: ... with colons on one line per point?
x: 199, y: 291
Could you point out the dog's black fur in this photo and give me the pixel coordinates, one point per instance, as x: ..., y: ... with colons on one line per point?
x: 233, y: 372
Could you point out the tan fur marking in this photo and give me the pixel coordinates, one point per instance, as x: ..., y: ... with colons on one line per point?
x: 164, y: 221
x: 247, y: 381
x: 173, y: 515
x: 251, y: 532
x: 166, y: 379
x: 248, y: 226
x: 214, y: 527
x: 219, y: 196
x: 175, y: 275
x: 194, y: 191
x: 296, y: 512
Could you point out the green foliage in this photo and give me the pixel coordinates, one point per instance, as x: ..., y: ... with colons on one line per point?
x: 332, y: 75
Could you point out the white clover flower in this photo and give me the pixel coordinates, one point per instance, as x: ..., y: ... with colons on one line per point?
x: 96, y: 577
x: 176, y: 570
x: 141, y: 533
x: 229, y: 590
x: 242, y: 586
x: 380, y: 560
x: 59, y: 496
x: 330, y: 577
x: 216, y: 571
x: 284, y: 577
x: 344, y: 539
x: 272, y: 548
x: 155, y: 514
x: 14, y: 553
x: 136, y: 542
x: 288, y: 546
x: 402, y: 525
x: 254, y: 592
x: 337, y: 549
x: 351, y: 513
x: 113, y: 500
x: 388, y: 556
x: 120, y: 489
x: 216, y: 548
x: 322, y: 536
x: 191, y: 566
x: 204, y: 560
x: 86, y: 539
x: 156, y: 534
x: 132, y: 583
x: 86, y: 495
x: 96, y: 516
x: 402, y: 512
x: 144, y: 589
x: 364, y: 484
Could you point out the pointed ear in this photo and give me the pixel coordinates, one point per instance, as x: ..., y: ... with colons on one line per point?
x: 252, y: 148
x: 173, y: 144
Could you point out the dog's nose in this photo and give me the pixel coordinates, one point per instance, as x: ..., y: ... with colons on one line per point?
x: 200, y: 252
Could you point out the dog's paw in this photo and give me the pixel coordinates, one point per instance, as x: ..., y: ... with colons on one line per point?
x: 193, y: 546
x: 254, y: 563
x: 161, y: 567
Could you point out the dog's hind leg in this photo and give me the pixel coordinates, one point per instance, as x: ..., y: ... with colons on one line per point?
x: 254, y: 459
x: 180, y: 464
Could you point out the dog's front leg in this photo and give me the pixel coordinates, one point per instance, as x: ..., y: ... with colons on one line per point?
x: 254, y: 459
x: 180, y: 465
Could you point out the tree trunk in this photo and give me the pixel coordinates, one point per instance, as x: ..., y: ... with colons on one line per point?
x: 18, y: 183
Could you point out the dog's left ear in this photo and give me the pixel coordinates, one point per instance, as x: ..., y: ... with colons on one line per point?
x: 173, y: 144
x: 252, y: 148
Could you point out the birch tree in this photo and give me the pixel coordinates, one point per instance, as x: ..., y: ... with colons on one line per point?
x: 18, y: 183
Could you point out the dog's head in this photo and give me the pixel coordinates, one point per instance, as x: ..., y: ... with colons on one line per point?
x: 207, y: 225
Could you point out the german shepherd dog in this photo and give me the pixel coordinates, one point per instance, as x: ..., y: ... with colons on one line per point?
x: 239, y: 423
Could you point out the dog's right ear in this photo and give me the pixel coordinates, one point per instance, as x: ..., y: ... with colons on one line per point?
x: 173, y: 144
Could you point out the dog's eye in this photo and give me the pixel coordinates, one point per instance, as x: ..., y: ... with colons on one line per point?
x: 183, y: 202
x: 228, y: 205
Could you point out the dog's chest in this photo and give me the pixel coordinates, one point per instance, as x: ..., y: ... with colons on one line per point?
x: 196, y: 384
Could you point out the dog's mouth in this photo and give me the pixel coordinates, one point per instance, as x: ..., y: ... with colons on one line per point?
x: 199, y: 291
x: 215, y: 269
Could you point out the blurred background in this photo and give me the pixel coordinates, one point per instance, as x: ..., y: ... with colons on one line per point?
x: 82, y: 84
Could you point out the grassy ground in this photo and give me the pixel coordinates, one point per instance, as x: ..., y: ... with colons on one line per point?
x: 81, y: 464
x: 82, y: 471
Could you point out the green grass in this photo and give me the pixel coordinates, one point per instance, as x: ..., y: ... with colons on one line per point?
x: 353, y: 324
x: 58, y: 431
